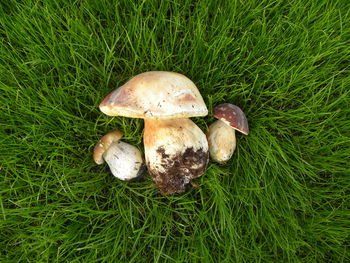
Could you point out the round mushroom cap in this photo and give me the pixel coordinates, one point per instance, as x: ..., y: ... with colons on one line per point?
x: 233, y: 116
x: 156, y: 95
x: 103, y: 144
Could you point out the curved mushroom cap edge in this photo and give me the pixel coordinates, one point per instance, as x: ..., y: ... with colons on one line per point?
x: 233, y: 116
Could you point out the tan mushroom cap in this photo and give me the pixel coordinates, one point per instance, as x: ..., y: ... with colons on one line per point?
x: 103, y: 144
x: 156, y: 95
x: 233, y: 116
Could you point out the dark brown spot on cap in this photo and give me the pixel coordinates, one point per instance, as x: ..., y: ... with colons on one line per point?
x: 233, y: 115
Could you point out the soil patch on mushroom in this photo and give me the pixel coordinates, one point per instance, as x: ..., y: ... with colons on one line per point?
x: 179, y: 169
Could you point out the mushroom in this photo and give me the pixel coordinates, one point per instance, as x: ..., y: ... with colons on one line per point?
x: 123, y: 159
x: 176, y: 149
x: 221, y: 134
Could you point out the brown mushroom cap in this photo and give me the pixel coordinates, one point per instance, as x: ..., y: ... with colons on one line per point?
x: 156, y: 95
x: 103, y: 144
x: 233, y: 116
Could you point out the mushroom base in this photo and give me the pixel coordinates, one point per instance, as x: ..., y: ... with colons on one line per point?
x: 176, y: 152
x: 179, y: 170
x: 140, y: 177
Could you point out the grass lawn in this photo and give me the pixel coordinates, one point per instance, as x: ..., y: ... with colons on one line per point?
x: 283, y: 197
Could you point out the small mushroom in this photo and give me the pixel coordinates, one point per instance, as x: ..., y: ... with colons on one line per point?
x: 176, y: 149
x: 221, y: 134
x: 123, y: 159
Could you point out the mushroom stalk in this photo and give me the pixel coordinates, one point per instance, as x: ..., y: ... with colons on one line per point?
x: 176, y: 151
x: 124, y: 160
x: 222, y: 141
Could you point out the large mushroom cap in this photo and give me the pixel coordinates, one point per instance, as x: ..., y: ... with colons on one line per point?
x: 233, y: 116
x: 103, y: 144
x: 156, y: 95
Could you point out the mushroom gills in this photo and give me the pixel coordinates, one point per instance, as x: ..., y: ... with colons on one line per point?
x: 124, y: 161
x: 176, y: 152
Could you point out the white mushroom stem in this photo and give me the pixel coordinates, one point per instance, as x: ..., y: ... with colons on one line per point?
x: 176, y: 151
x: 124, y: 160
x: 222, y: 141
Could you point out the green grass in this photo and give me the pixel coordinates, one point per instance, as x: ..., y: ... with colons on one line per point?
x: 285, y: 195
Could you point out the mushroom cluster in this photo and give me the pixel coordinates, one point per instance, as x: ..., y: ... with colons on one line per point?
x: 176, y: 149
